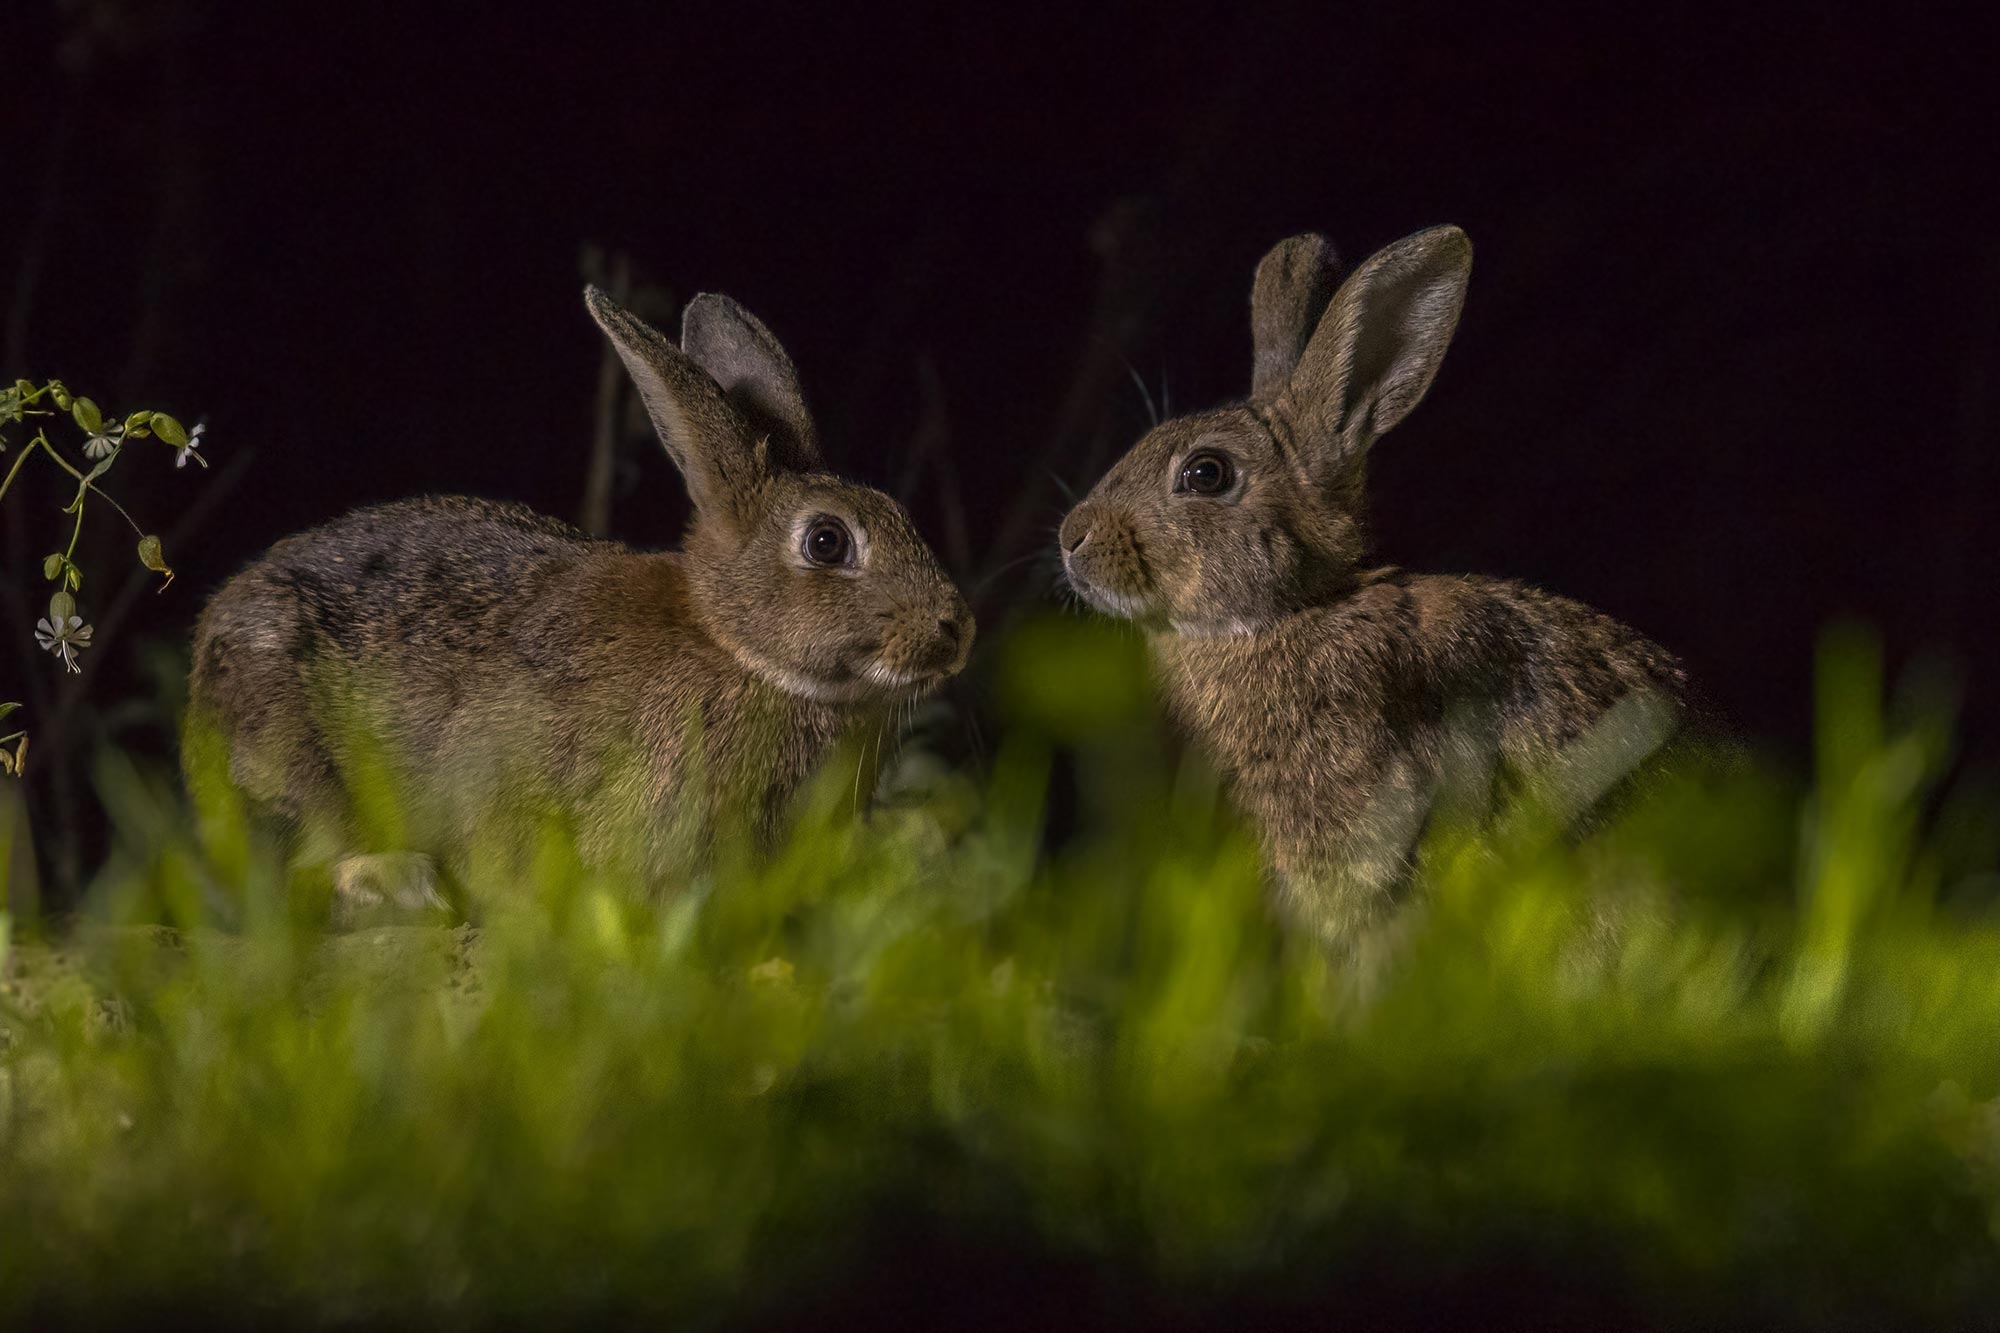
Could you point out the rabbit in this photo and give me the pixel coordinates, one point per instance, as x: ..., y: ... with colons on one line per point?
x: 496, y: 662
x: 1344, y: 705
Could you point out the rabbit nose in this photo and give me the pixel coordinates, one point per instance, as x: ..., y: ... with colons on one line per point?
x: 955, y: 628
x: 1075, y: 531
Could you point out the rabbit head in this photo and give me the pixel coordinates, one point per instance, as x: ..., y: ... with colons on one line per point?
x: 1221, y: 522
x: 820, y: 586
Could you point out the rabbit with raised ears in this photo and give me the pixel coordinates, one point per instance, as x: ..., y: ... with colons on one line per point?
x: 493, y: 660
x: 1343, y: 703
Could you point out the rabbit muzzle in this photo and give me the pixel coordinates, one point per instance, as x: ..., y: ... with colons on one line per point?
x: 926, y: 643
x: 1104, y: 561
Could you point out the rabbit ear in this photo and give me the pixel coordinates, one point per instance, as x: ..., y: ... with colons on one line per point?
x: 756, y: 376
x: 1376, y: 350
x: 724, y: 465
x: 1293, y: 284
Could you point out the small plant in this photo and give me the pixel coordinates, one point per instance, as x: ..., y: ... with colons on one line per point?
x: 64, y: 633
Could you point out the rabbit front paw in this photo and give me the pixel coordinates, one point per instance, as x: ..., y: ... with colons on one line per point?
x: 384, y: 887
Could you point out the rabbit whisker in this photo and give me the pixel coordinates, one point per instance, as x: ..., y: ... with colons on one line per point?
x: 987, y: 579
x: 1152, y: 412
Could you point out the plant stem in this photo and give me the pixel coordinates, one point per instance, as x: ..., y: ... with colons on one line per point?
x: 25, y: 451
x: 77, y: 529
x: 105, y: 496
x: 61, y: 462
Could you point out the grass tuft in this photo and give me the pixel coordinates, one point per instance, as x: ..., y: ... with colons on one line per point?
x: 1734, y: 1056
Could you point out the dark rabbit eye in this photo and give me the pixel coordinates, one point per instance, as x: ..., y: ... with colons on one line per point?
x: 827, y: 542
x: 1206, y: 474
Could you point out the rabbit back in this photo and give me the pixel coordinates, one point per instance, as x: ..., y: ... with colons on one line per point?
x: 373, y: 629
x: 1344, y: 728
x: 483, y: 659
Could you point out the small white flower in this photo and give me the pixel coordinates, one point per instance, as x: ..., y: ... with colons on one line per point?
x: 64, y: 638
x: 187, y: 450
x: 104, y: 443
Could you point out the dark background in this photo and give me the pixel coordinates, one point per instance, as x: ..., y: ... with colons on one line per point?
x: 1726, y: 368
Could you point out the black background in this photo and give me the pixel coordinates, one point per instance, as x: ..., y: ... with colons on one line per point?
x: 1727, y: 368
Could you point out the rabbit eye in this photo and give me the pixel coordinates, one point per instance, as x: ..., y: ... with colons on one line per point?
x: 1206, y: 473
x: 827, y: 542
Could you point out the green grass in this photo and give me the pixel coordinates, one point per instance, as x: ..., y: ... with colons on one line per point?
x: 923, y: 1064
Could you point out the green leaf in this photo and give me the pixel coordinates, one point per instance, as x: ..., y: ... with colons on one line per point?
x: 136, y: 421
x: 74, y: 577
x: 103, y: 466
x: 7, y: 708
x: 87, y: 415
x: 168, y: 429
x: 60, y: 395
x: 153, y: 558
x: 61, y: 607
x: 52, y: 566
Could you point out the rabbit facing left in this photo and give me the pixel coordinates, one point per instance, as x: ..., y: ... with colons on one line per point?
x: 1345, y: 704
x: 491, y: 665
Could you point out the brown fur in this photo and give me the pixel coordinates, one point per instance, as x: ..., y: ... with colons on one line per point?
x: 1342, y: 703
x: 497, y: 664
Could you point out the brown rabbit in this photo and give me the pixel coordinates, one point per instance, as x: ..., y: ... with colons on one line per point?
x: 493, y: 662
x: 1342, y: 702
